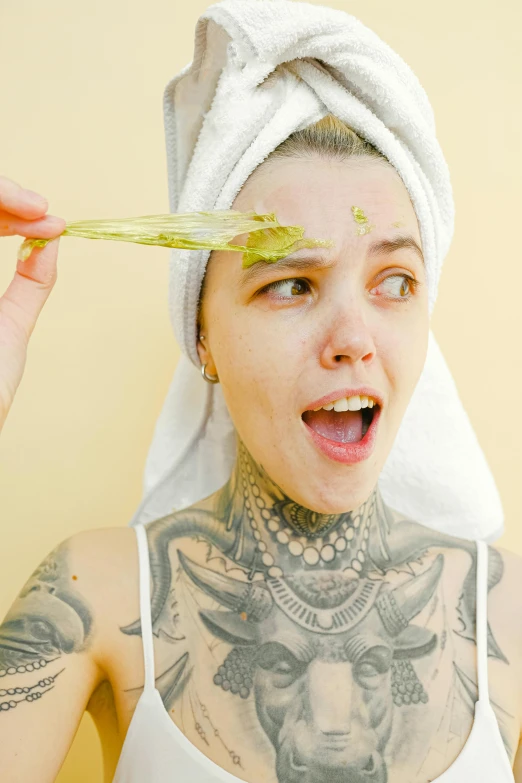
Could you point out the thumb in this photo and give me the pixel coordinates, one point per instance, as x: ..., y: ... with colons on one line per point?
x: 30, y: 288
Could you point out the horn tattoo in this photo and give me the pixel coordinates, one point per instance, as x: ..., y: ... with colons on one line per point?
x: 397, y: 607
x: 196, y: 522
x: 249, y: 598
x: 406, y: 541
x: 230, y: 627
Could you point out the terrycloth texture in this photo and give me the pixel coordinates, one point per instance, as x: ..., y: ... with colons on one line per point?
x: 261, y: 70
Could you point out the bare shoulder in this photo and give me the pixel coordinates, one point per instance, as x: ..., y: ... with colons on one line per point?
x: 77, y: 591
x: 102, y: 563
x: 101, y: 556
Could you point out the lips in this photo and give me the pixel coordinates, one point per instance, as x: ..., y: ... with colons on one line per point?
x: 348, y: 451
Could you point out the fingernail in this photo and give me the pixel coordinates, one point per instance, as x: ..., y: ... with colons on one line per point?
x: 36, y: 198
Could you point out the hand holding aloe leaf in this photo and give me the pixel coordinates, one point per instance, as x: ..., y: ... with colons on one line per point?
x: 268, y: 240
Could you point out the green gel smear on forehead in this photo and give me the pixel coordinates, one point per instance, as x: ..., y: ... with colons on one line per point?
x: 272, y: 244
x: 360, y: 218
x: 195, y: 231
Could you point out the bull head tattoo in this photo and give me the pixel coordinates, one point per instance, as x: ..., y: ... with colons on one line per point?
x: 288, y: 632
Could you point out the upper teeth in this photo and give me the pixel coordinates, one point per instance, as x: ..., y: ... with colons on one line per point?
x: 349, y: 404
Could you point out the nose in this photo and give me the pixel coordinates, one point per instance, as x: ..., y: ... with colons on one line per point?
x: 347, y: 336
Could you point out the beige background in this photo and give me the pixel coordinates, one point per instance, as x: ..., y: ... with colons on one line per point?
x: 81, y: 122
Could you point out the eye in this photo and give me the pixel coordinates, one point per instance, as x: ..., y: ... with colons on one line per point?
x: 291, y: 288
x: 282, y: 667
x: 275, y: 657
x: 367, y: 670
x: 403, y: 287
x: 279, y: 661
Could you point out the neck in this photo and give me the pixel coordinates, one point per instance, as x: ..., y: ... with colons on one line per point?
x: 277, y: 535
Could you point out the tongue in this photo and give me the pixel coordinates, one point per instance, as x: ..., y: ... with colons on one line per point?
x: 342, y: 426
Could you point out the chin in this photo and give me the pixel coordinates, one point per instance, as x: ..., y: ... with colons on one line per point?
x: 328, y: 494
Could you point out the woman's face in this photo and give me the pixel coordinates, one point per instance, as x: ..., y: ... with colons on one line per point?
x: 282, y: 338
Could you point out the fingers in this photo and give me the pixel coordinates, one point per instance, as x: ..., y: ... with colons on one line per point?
x: 21, y: 202
x: 23, y: 213
x: 31, y: 286
x: 45, y: 227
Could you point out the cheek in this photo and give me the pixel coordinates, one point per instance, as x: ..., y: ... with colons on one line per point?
x: 257, y: 360
x: 402, y: 353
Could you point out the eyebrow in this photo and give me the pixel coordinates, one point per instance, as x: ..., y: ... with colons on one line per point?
x: 314, y: 258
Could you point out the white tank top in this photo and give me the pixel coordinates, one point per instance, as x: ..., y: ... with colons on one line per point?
x: 156, y: 750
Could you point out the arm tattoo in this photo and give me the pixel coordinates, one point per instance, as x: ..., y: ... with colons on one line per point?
x: 47, y: 620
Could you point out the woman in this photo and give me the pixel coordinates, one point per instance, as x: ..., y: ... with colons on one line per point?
x: 303, y: 629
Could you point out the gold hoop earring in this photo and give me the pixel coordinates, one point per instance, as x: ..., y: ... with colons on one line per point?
x: 210, y: 378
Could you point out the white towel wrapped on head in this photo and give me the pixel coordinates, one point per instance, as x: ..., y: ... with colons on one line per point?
x: 263, y: 69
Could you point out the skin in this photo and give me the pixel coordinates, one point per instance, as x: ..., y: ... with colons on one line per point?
x: 343, y: 325
x: 312, y: 704
x: 344, y: 332
x: 23, y: 212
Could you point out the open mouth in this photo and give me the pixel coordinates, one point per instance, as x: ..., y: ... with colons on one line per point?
x: 349, y: 426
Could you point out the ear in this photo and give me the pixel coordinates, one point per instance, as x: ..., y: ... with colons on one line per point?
x: 204, y: 353
x: 202, y: 349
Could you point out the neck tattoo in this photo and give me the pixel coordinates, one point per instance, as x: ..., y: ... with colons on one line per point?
x: 288, y: 536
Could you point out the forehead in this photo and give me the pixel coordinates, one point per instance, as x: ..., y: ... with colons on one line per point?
x: 319, y: 195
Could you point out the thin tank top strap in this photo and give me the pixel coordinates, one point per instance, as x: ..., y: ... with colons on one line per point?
x: 145, y: 613
x: 482, y: 620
